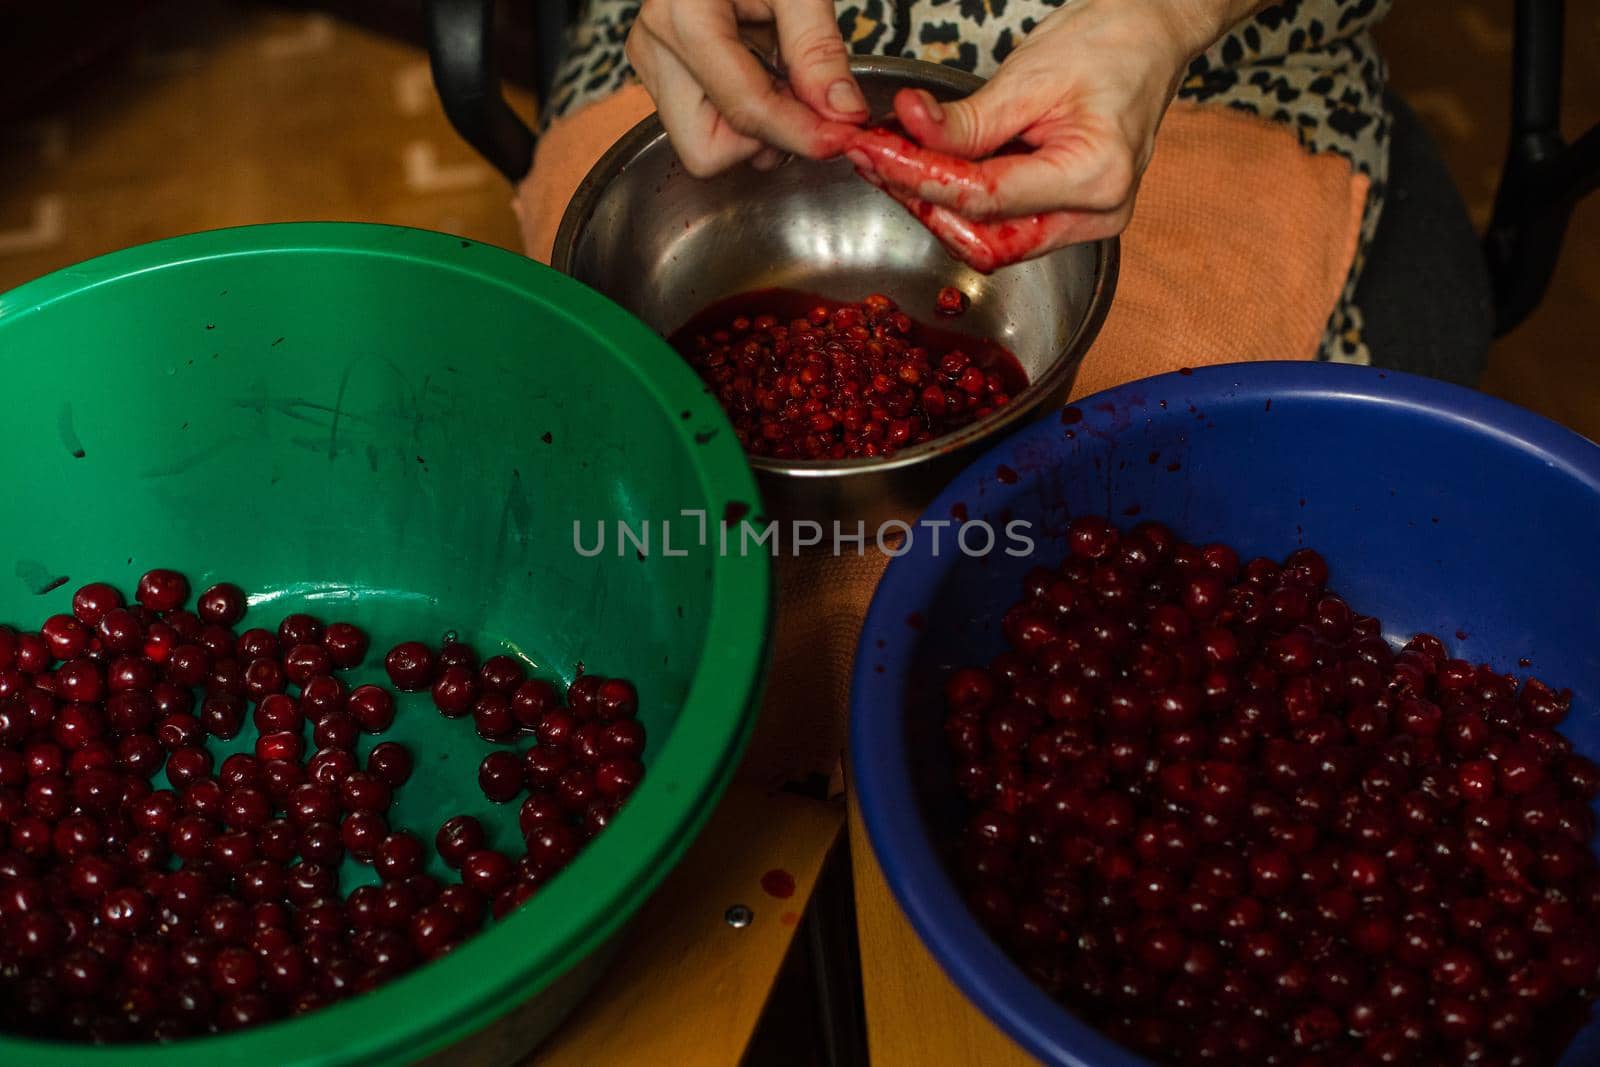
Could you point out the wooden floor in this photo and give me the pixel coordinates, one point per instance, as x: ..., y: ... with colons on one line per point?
x: 226, y: 114
x: 221, y: 113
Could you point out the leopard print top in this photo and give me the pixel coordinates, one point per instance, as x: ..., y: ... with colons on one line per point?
x: 1309, y: 64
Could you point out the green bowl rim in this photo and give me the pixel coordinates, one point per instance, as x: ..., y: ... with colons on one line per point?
x: 442, y: 1002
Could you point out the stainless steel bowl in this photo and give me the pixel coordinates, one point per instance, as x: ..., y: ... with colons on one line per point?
x: 664, y: 245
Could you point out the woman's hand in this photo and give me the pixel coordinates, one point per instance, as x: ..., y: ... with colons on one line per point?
x: 1082, y: 96
x: 720, y: 106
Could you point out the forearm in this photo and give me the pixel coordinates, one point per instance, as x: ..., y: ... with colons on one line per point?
x: 1198, y: 24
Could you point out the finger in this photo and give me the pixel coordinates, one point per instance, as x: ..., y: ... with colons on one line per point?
x: 988, y: 246
x: 972, y: 127
x: 817, y: 60
x: 745, y: 94
x: 705, y: 143
x: 906, y: 165
x: 1072, y: 171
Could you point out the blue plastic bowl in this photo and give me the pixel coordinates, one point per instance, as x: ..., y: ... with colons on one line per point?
x: 1439, y: 509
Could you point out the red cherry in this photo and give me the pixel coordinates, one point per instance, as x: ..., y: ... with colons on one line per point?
x: 410, y: 666
x: 950, y: 301
x: 163, y: 590
x: 501, y: 674
x: 625, y: 737
x: 331, y: 766
x: 335, y: 730
x: 278, y: 712
x: 363, y: 792
x: 492, y: 716
x: 455, y: 690
x: 550, y: 846
x: 361, y: 832
x: 91, y: 603
x: 80, y: 680
x: 299, y: 629
x: 222, y: 605
x: 257, y: 644
x: 433, y: 929
x: 531, y: 701
x: 543, y: 765
x: 486, y: 871
x: 372, y: 707
x: 400, y: 855
x: 616, y: 699
x: 246, y: 808
x: 130, y: 673
x: 263, y: 677
x: 240, y: 770
x: 346, y: 644
x: 66, y: 636
x: 321, y: 695
x: 458, y: 837
x: 466, y: 903
x: 33, y: 654
x: 306, y: 661
x: 188, y: 764
x: 222, y: 715
x: 390, y: 763
x: 500, y: 776
x: 540, y: 808
x: 283, y: 745
x: 581, y: 696
x: 1476, y: 780
x: 617, y: 778
x: 227, y: 676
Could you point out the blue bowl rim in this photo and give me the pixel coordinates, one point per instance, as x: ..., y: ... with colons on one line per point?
x: 880, y: 769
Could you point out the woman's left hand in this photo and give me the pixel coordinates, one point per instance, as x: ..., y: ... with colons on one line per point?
x: 1083, y: 94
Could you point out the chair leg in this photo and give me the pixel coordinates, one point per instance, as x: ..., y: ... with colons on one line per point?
x: 1544, y: 176
x: 551, y: 18
x: 461, y: 51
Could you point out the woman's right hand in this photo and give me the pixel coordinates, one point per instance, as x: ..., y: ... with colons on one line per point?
x: 720, y: 106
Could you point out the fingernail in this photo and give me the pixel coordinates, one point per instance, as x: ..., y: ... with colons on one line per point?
x: 935, y: 112
x: 845, y: 98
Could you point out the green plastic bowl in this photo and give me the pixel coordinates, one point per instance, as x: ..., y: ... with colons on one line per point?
x: 400, y: 429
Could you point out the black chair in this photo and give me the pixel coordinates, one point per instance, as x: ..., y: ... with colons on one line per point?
x: 462, y: 53
x: 1434, y: 294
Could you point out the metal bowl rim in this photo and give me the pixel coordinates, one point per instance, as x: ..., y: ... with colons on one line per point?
x: 644, y: 136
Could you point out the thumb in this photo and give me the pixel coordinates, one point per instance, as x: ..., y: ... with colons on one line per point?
x: 971, y: 128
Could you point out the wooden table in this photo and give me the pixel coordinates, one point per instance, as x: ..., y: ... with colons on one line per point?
x: 692, y: 987
x: 915, y: 1014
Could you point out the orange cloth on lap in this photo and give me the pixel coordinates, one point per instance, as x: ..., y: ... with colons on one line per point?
x: 1240, y: 245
